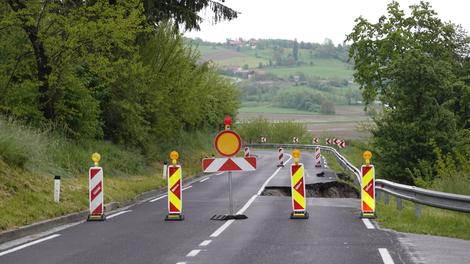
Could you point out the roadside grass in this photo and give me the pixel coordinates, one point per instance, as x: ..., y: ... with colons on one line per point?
x: 433, y: 221
x: 29, y: 159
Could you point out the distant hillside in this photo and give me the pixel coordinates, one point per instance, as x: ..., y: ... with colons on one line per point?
x: 284, y: 74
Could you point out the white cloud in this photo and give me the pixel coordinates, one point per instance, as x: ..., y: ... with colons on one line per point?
x: 313, y: 20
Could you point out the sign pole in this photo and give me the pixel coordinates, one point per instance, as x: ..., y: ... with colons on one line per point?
x: 230, y: 197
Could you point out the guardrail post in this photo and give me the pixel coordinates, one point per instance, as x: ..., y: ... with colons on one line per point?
x: 417, y: 210
x: 378, y: 193
x: 386, y: 198
x: 399, y: 203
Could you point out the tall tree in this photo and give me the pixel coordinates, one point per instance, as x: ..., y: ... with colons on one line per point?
x: 295, y: 50
x: 411, y: 64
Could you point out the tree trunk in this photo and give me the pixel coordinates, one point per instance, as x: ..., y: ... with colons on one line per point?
x: 46, y: 103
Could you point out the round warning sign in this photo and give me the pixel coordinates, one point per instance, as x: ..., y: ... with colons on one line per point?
x: 228, y: 143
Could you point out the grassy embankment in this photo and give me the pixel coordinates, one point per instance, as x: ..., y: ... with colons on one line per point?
x: 30, y: 158
x: 433, y: 221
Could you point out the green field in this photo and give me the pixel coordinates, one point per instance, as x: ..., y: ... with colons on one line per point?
x: 323, y: 68
x: 267, y: 108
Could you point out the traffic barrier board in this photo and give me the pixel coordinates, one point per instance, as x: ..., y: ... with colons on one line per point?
x: 280, y: 158
x: 295, y: 140
x: 247, y: 152
x: 95, y: 194
x: 368, y: 191
x: 328, y: 141
x: 317, y: 157
x: 299, y: 204
x: 229, y: 164
x: 315, y: 140
x: 175, y: 194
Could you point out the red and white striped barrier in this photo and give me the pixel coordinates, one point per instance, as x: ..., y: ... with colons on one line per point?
x: 317, y: 157
x: 280, y: 158
x: 229, y: 164
x: 247, y: 152
x: 96, y: 194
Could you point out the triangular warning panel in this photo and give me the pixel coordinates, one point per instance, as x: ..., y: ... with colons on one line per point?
x: 229, y: 165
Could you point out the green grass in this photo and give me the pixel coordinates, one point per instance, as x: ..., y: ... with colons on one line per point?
x: 29, y: 159
x: 323, y: 68
x: 266, y: 108
x: 433, y: 221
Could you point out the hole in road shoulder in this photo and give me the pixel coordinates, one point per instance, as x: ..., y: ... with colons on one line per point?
x: 325, y: 189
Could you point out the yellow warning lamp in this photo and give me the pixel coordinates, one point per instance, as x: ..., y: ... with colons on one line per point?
x: 296, y: 155
x: 96, y: 157
x: 174, y: 157
x: 367, y: 155
x: 227, y: 122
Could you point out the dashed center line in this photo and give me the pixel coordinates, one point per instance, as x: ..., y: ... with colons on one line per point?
x: 205, y: 243
x: 247, y: 204
x: 118, y: 213
x: 386, y: 258
x: 367, y: 223
x: 193, y: 253
x: 28, y: 244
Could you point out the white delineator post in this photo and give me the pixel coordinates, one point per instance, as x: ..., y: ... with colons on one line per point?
x: 165, y: 168
x: 317, y: 157
x: 56, y: 188
x: 281, y: 157
x: 247, y: 151
x: 95, y: 194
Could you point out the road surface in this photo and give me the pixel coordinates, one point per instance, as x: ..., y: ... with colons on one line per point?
x: 334, y: 233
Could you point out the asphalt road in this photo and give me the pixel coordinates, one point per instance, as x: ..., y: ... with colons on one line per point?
x: 334, y: 233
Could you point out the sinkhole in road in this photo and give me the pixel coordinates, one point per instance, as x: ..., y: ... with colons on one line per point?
x: 332, y: 189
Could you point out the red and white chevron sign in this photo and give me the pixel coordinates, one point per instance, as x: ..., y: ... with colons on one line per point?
x: 342, y: 144
x: 229, y: 164
x: 96, y: 192
x: 335, y: 141
x: 328, y: 141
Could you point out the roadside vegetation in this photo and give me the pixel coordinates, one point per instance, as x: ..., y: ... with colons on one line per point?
x: 113, y: 77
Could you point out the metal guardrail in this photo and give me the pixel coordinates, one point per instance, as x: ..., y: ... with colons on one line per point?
x: 419, y: 196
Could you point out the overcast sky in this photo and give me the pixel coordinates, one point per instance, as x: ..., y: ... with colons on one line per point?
x: 313, y: 20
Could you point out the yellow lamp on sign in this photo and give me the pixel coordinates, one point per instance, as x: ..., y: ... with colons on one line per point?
x: 296, y: 155
x: 174, y: 157
x: 367, y: 155
x: 96, y: 157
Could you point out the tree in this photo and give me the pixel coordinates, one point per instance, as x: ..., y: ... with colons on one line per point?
x: 410, y: 63
x: 295, y: 50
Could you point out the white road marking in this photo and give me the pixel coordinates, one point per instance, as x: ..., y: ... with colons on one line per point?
x: 205, y: 179
x: 222, y: 228
x: 368, y: 224
x: 180, y: 262
x: 28, y: 244
x: 386, y: 258
x: 205, y: 243
x: 163, y: 196
x: 158, y: 198
x: 118, y: 213
x: 219, y: 173
x: 243, y: 209
x: 272, y: 176
x: 247, y: 204
x: 193, y: 253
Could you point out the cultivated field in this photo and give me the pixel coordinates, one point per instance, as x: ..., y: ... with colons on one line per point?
x: 343, y: 125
